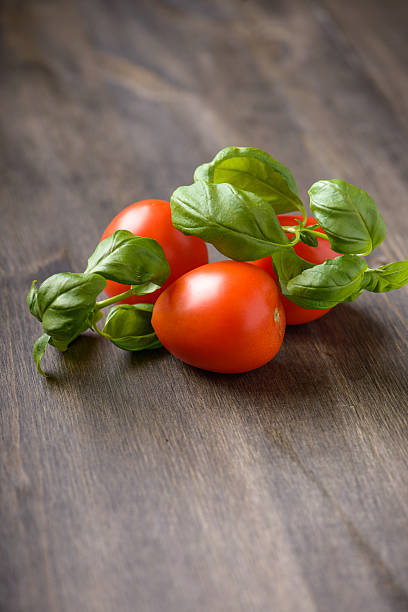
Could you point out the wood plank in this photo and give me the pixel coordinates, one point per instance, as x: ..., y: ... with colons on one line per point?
x: 374, y: 31
x: 135, y: 482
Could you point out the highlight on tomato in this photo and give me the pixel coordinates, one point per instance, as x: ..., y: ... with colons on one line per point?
x: 225, y: 317
x: 295, y: 315
x: 152, y: 219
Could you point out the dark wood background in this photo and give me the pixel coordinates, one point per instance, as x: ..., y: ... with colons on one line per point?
x: 133, y: 482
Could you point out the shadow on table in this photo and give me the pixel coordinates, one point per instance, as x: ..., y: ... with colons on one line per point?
x: 79, y: 359
x: 88, y: 356
x: 346, y: 347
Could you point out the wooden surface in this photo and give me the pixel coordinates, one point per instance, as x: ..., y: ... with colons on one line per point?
x: 137, y: 483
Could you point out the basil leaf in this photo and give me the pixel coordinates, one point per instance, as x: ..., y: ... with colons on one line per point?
x: 238, y: 223
x: 65, y: 303
x: 129, y: 259
x: 348, y: 215
x: 145, y: 288
x: 287, y: 265
x: 253, y: 170
x: 386, y: 278
x: 129, y: 327
x: 39, y: 348
x: 320, y: 286
x: 32, y: 300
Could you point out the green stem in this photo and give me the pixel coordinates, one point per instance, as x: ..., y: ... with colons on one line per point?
x: 318, y: 234
x: 97, y: 316
x: 99, y: 331
x: 296, y: 229
x: 114, y: 299
x: 292, y: 229
x: 295, y: 240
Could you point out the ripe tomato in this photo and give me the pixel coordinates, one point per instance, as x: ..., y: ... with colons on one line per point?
x: 152, y: 219
x: 317, y: 255
x: 206, y: 319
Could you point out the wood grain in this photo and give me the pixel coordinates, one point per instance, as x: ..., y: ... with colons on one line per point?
x: 135, y: 482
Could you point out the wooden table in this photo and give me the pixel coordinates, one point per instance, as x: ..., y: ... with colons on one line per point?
x: 132, y: 482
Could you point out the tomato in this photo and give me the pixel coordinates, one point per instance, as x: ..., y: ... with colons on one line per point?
x: 206, y: 319
x: 317, y: 255
x: 152, y: 219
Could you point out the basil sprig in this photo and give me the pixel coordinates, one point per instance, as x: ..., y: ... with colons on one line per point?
x: 233, y: 204
x: 66, y: 305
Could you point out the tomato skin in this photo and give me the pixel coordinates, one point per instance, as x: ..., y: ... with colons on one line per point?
x: 295, y: 315
x: 206, y: 319
x: 152, y: 219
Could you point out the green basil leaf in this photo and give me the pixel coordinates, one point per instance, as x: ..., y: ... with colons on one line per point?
x: 129, y: 259
x: 137, y: 343
x: 129, y: 327
x: 238, y: 223
x: 146, y: 288
x: 386, y: 278
x: 65, y: 303
x: 287, y: 265
x: 348, y: 215
x: 39, y: 348
x: 320, y: 286
x: 32, y: 300
x: 251, y: 169
x: 309, y: 239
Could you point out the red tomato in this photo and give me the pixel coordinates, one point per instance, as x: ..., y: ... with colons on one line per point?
x: 317, y: 255
x: 206, y: 319
x: 152, y: 219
